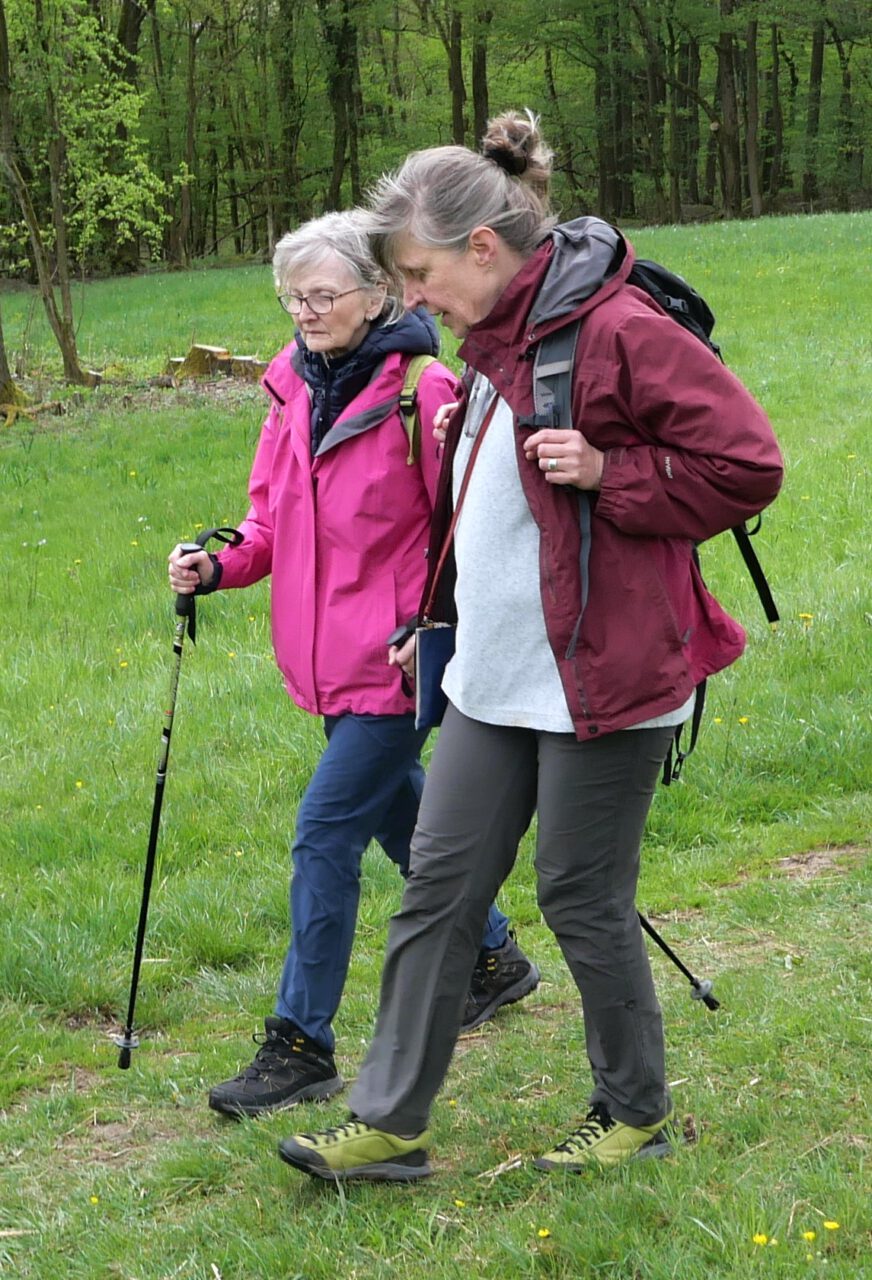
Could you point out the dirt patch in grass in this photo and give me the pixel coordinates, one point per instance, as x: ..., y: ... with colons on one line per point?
x: 816, y: 862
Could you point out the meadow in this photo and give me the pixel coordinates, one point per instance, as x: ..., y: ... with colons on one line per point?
x: 756, y: 865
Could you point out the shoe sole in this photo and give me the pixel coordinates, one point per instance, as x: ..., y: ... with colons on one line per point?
x: 511, y: 995
x: 658, y: 1148
x: 385, y: 1171
x: 320, y: 1091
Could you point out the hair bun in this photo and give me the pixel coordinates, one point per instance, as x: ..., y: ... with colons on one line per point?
x: 512, y: 162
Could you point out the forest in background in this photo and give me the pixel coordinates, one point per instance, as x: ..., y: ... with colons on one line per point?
x: 141, y: 133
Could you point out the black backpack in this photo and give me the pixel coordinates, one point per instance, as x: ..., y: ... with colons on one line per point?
x: 552, y: 393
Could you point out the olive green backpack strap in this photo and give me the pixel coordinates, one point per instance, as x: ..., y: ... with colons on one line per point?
x: 409, y: 405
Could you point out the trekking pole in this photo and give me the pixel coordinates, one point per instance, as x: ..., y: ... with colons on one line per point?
x: 186, y: 619
x: 701, y: 989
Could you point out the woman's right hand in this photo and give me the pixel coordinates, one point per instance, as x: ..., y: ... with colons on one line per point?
x: 188, y: 569
x: 403, y: 657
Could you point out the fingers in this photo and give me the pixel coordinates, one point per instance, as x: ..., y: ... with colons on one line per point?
x: 188, y: 569
x: 440, y: 421
x: 403, y: 657
x: 565, y: 458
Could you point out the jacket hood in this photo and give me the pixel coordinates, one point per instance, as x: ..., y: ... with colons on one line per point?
x: 586, y: 253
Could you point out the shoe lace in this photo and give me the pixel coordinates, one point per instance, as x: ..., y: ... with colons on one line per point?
x: 596, y: 1123
x: 273, y: 1052
x: 351, y: 1129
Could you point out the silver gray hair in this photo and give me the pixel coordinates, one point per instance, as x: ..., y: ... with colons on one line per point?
x: 338, y: 235
x: 438, y: 196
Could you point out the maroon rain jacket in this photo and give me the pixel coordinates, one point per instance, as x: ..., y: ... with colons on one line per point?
x: 688, y: 454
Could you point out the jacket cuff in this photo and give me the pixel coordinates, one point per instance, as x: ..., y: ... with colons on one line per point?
x: 217, y: 571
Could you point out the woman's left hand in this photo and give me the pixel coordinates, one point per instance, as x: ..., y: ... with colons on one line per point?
x: 403, y: 657
x: 565, y: 457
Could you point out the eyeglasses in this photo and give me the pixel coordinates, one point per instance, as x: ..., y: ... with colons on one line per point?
x: 321, y: 304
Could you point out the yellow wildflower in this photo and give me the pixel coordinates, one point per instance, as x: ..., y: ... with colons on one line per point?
x: 759, y: 1238
x: 543, y: 1233
x: 809, y: 1235
x: 461, y: 1204
x: 744, y: 719
x: 830, y: 1225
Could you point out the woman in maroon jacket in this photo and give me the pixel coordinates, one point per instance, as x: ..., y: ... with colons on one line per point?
x: 582, y: 629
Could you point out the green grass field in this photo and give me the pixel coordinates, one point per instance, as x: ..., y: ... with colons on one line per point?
x: 756, y: 866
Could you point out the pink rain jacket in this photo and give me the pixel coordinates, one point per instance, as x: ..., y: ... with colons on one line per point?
x: 344, y: 534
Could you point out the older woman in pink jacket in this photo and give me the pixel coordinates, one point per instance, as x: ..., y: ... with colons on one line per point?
x: 339, y: 518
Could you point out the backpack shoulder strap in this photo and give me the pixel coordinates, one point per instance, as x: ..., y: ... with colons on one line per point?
x: 552, y: 378
x: 409, y: 405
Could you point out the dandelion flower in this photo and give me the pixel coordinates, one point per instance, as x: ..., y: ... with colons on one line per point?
x: 133, y: 542
x: 95, y: 1199
x: 231, y: 653
x: 759, y: 1238
x: 543, y: 1233
x: 744, y: 719
x: 809, y: 1235
x: 830, y: 1225
x: 131, y: 473
x: 452, y: 1102
x: 719, y: 719
x: 460, y: 1204
x: 79, y: 784
x: 122, y: 664
x: 198, y: 526
x: 805, y: 617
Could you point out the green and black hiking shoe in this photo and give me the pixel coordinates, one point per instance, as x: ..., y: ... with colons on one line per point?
x: 288, y: 1068
x: 602, y: 1142
x: 356, y: 1151
x: 500, y: 977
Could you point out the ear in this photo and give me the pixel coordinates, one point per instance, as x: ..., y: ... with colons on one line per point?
x: 484, y: 246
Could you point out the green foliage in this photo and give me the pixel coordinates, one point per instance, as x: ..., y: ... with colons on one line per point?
x: 67, y: 91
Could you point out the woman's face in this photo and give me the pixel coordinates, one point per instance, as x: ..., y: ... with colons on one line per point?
x: 346, y: 324
x: 461, y: 286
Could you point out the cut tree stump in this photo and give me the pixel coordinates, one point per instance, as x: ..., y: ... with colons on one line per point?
x: 210, y: 362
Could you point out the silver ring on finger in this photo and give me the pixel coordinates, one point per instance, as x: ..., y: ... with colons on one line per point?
x: 552, y: 464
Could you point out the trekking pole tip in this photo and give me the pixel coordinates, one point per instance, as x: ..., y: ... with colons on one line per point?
x: 126, y: 1044
x: 702, y: 990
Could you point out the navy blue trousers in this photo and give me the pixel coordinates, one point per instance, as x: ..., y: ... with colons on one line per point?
x: 367, y: 786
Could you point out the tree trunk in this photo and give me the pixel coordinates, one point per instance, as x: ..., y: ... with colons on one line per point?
x: 339, y: 36
x: 10, y: 393
x: 455, y: 78
x: 480, y: 107
x: 728, y: 131
x: 567, y: 150
x: 61, y: 322
x: 689, y: 65
x: 655, y: 99
x: 848, y: 148
x: 773, y: 142
x: 186, y: 207
x: 289, y: 210
x: 752, y: 120
x: 813, y: 118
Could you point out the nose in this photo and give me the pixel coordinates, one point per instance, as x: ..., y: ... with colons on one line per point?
x: 411, y: 294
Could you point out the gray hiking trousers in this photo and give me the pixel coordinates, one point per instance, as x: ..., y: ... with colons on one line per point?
x: 483, y: 786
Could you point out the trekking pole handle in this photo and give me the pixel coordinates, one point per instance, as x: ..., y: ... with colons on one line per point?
x: 184, y: 604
